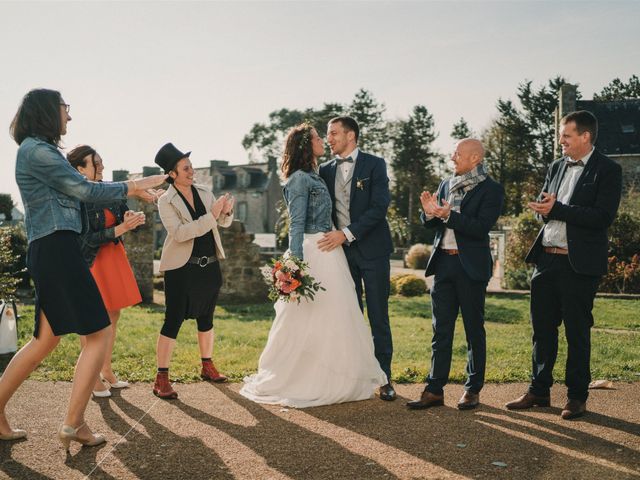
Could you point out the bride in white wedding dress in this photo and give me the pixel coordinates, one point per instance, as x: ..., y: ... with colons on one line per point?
x: 318, y: 352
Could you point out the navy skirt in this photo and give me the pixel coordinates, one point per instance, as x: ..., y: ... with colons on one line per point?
x: 65, y: 289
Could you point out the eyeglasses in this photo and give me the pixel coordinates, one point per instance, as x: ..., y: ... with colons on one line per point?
x: 66, y: 106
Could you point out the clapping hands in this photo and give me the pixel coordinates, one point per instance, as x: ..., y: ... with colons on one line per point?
x: 430, y: 206
x: 544, y: 206
x: 133, y: 219
x: 223, y: 205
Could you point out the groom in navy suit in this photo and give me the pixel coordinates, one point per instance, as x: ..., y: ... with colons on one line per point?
x: 359, y: 188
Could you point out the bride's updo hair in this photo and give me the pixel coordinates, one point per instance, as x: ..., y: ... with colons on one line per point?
x: 298, y: 150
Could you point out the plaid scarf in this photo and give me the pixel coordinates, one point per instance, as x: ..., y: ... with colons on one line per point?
x: 460, y: 185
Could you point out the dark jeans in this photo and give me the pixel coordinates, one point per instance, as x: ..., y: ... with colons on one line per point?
x: 375, y: 275
x: 560, y: 294
x: 452, y: 291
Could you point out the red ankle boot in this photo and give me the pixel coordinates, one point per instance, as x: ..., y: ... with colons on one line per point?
x: 210, y: 373
x: 162, y: 387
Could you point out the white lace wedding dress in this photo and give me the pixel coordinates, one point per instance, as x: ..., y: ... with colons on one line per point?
x: 319, y: 352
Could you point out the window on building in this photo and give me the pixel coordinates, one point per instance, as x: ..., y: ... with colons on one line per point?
x: 242, y: 211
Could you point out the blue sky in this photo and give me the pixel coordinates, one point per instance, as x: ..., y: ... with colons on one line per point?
x: 200, y: 74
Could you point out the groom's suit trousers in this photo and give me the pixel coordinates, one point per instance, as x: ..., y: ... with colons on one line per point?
x: 374, y: 273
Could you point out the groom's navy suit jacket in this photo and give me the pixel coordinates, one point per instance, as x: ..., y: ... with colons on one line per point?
x: 368, y: 206
x: 479, y: 211
x: 591, y: 210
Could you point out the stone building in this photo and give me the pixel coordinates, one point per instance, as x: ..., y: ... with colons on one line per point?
x: 618, y: 129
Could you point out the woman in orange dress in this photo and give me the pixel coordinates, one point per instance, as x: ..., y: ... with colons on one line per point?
x: 104, y: 252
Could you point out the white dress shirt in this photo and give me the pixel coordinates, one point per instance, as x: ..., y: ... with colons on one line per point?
x: 555, y: 231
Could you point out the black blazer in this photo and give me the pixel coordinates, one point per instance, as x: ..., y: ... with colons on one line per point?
x: 591, y: 210
x: 479, y: 211
x: 370, y: 200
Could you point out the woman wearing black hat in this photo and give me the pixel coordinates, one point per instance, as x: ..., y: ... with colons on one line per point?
x: 192, y: 278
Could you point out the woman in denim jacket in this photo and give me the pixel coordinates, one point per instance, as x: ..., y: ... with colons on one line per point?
x: 318, y: 352
x: 67, y: 299
x: 104, y: 252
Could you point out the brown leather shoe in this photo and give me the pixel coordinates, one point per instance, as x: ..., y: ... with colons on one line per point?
x: 162, y: 387
x: 573, y: 409
x: 468, y: 400
x: 387, y: 393
x: 427, y: 400
x: 210, y: 373
x: 528, y: 400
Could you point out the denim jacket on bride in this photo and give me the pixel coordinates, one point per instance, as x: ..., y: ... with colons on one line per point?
x: 309, y: 206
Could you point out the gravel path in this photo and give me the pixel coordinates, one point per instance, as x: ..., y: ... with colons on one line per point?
x: 212, y: 432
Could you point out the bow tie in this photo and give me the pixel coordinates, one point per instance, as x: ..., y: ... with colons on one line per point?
x: 343, y: 160
x: 571, y: 163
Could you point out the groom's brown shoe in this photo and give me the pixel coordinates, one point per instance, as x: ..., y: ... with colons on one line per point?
x: 573, y: 409
x: 528, y: 400
x: 387, y: 393
x: 427, y: 400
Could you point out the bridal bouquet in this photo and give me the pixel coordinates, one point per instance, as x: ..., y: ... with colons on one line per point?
x: 288, y: 280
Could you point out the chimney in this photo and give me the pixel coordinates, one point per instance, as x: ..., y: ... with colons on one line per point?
x: 567, y: 103
x: 120, y: 175
x: 148, y: 171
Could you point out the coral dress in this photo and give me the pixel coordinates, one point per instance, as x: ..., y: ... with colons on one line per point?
x: 113, y: 274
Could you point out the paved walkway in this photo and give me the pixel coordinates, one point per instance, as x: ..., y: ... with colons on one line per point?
x: 213, y: 433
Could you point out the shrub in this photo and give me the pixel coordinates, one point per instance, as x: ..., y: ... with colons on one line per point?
x: 517, y: 274
x: 417, y: 256
x: 13, y: 247
x: 411, y: 286
x: 623, y: 276
x: 624, y: 236
x: 393, y: 282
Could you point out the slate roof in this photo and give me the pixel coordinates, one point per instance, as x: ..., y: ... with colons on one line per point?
x: 618, y: 125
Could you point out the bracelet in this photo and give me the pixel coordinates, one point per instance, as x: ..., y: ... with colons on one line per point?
x: 135, y: 186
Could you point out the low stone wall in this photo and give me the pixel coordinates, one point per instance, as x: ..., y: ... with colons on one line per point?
x: 242, y: 281
x: 139, y: 246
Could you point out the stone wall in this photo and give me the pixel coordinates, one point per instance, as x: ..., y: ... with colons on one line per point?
x: 242, y: 281
x: 139, y: 244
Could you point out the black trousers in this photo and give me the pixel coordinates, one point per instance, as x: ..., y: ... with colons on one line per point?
x: 454, y: 291
x: 559, y: 294
x: 374, y: 274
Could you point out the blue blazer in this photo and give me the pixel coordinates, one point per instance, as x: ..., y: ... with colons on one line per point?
x: 368, y: 206
x: 591, y: 210
x: 479, y: 212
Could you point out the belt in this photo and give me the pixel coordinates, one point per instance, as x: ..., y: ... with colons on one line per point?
x: 450, y: 251
x: 556, y: 250
x: 202, y: 261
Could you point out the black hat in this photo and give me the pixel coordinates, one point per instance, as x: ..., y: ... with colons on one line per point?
x: 168, y: 156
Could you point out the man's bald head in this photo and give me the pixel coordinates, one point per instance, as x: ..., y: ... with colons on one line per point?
x: 469, y: 153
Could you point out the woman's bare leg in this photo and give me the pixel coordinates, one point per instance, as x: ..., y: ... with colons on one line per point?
x: 23, y: 363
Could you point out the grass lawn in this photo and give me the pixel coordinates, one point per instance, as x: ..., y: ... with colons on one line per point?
x: 242, y: 332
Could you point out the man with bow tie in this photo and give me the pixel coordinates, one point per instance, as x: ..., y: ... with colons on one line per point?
x: 578, y: 203
x: 359, y: 188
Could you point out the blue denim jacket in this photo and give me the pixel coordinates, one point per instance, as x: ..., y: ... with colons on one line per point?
x: 51, y: 189
x: 309, y: 206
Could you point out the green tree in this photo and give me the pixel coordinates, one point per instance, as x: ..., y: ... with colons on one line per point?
x: 461, y: 130
x: 6, y: 205
x: 413, y: 161
x: 618, y: 90
x: 374, y: 129
x: 520, y: 141
x: 266, y: 140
